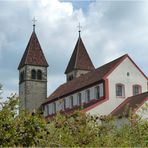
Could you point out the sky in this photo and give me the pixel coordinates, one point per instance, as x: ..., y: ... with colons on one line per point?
x: 109, y: 30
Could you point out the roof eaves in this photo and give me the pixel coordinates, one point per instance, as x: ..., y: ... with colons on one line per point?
x: 116, y: 65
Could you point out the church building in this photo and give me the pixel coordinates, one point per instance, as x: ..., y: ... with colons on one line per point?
x: 98, y: 91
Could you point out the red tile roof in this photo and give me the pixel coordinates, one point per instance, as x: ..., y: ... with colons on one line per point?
x: 84, y: 81
x: 80, y: 59
x: 130, y: 104
x: 33, y: 54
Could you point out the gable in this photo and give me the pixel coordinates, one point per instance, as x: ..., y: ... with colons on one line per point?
x: 127, y: 68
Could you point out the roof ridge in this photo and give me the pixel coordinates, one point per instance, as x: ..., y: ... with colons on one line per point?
x: 139, y: 94
x: 113, y: 60
x: 77, y: 52
x: 127, y: 100
x: 27, y: 49
x: 94, y: 70
x: 84, y: 81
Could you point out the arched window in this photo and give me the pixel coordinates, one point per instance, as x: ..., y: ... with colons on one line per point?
x: 39, y: 75
x: 137, y: 89
x: 120, y: 90
x: 22, y: 76
x: 33, y: 74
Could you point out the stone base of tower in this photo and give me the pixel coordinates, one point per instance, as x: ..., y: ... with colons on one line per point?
x: 33, y: 96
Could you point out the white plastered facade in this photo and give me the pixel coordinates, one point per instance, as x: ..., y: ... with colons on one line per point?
x: 125, y: 73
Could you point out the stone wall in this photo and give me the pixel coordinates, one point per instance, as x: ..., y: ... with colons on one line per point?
x: 32, y: 92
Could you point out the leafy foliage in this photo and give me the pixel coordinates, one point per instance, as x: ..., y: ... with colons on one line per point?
x: 75, y: 130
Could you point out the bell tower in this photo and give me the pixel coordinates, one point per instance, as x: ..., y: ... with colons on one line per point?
x: 32, y: 75
x: 80, y: 62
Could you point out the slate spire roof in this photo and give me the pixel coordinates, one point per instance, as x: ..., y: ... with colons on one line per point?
x: 33, y: 54
x: 80, y: 59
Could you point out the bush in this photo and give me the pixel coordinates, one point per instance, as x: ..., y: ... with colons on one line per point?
x: 75, y: 130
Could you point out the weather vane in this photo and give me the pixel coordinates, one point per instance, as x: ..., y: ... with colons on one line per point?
x: 34, y: 21
x: 79, y: 26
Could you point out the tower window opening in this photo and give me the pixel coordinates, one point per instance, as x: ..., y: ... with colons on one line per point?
x: 33, y: 74
x: 70, y: 77
x: 39, y: 75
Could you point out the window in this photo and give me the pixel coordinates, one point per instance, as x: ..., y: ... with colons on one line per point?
x: 71, y: 101
x: 22, y: 76
x: 48, y: 109
x: 64, y: 103
x: 54, y: 108
x: 87, y: 96
x: 39, y: 75
x: 136, y: 89
x: 97, y: 92
x: 70, y: 77
x: 79, y: 101
x: 33, y: 74
x: 120, y: 92
x: 101, y: 89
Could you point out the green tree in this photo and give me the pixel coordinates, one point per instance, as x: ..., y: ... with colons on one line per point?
x: 69, y: 130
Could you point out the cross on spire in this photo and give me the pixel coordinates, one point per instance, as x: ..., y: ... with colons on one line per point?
x: 34, y: 21
x: 79, y: 27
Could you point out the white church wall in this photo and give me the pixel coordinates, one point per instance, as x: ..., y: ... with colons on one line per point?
x: 119, y: 75
x: 105, y: 108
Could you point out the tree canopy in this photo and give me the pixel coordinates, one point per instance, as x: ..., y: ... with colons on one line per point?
x: 71, y: 130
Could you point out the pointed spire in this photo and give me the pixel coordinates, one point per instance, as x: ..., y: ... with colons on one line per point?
x: 33, y: 54
x: 79, y: 26
x: 80, y: 59
x: 34, y: 21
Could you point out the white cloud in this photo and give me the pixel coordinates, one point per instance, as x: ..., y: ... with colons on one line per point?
x: 2, y: 42
x: 109, y: 29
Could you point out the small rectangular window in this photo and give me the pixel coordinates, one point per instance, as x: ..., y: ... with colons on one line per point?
x: 101, y: 89
x: 97, y: 92
x: 64, y: 104
x: 71, y: 101
x: 87, y: 95
x: 54, y: 108
x: 79, y: 101
x: 136, y: 89
x: 46, y: 110
x: 120, y: 90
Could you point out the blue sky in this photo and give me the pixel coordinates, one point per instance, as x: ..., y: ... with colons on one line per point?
x: 109, y: 30
x: 80, y: 4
